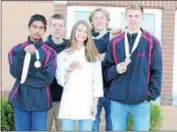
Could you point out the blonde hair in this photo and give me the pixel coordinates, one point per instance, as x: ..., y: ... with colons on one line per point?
x: 105, y: 12
x: 135, y: 6
x: 91, y: 52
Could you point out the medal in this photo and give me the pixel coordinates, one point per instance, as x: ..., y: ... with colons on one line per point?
x: 37, y: 63
x: 135, y: 45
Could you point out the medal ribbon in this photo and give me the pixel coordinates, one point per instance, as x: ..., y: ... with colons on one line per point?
x: 37, y: 55
x: 135, y: 45
x: 25, y: 67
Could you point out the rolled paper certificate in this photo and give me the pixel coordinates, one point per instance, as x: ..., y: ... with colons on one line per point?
x: 25, y: 67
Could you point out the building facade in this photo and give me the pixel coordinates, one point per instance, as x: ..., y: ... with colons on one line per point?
x: 160, y: 19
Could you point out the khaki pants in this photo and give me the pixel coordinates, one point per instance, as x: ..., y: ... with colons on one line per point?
x: 52, y: 114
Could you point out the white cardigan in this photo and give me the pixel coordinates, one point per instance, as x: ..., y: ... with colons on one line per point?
x: 83, y: 85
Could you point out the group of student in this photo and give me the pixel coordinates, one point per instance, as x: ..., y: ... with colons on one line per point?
x: 72, y: 80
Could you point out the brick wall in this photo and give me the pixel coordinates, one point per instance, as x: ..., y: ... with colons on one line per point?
x: 168, y: 15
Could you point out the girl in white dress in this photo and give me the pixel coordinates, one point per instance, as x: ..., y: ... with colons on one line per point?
x: 79, y: 72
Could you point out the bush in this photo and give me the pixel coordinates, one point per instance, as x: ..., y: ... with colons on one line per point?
x: 7, y: 116
x: 156, y: 118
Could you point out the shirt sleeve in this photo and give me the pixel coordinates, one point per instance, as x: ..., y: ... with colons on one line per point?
x: 15, y: 59
x: 60, y: 71
x: 109, y: 66
x: 97, y: 80
x: 155, y: 72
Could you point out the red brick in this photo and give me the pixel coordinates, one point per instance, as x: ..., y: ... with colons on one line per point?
x: 167, y: 58
x: 166, y: 90
x: 166, y: 97
x: 61, y: 8
x: 167, y: 81
x: 5, y: 94
x: 167, y: 4
x: 166, y: 103
x: 167, y: 77
x: 167, y: 47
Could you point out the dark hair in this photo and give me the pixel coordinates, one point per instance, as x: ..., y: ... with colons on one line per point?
x: 38, y: 17
x: 57, y: 16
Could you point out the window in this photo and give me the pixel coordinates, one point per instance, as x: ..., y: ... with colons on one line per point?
x: 81, y: 15
x: 147, y: 24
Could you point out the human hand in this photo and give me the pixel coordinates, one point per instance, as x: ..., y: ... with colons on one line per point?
x: 122, y: 67
x: 30, y: 49
x: 93, y: 111
x: 73, y: 65
x: 116, y: 32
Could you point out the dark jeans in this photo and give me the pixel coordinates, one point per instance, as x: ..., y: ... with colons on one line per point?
x: 103, y: 102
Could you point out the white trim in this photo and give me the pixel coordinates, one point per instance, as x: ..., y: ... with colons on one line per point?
x: 60, y: 2
x: 174, y: 90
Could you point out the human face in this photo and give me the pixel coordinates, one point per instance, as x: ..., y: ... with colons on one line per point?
x: 81, y: 33
x: 37, y: 30
x: 57, y: 28
x: 99, y: 21
x: 134, y: 19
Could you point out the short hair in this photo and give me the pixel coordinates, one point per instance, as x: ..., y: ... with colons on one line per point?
x: 135, y: 6
x: 38, y: 17
x: 57, y: 16
x: 105, y: 12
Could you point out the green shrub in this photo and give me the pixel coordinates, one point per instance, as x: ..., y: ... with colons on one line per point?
x: 156, y: 118
x: 7, y: 116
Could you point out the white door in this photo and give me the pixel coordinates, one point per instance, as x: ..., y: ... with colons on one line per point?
x: 174, y: 91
